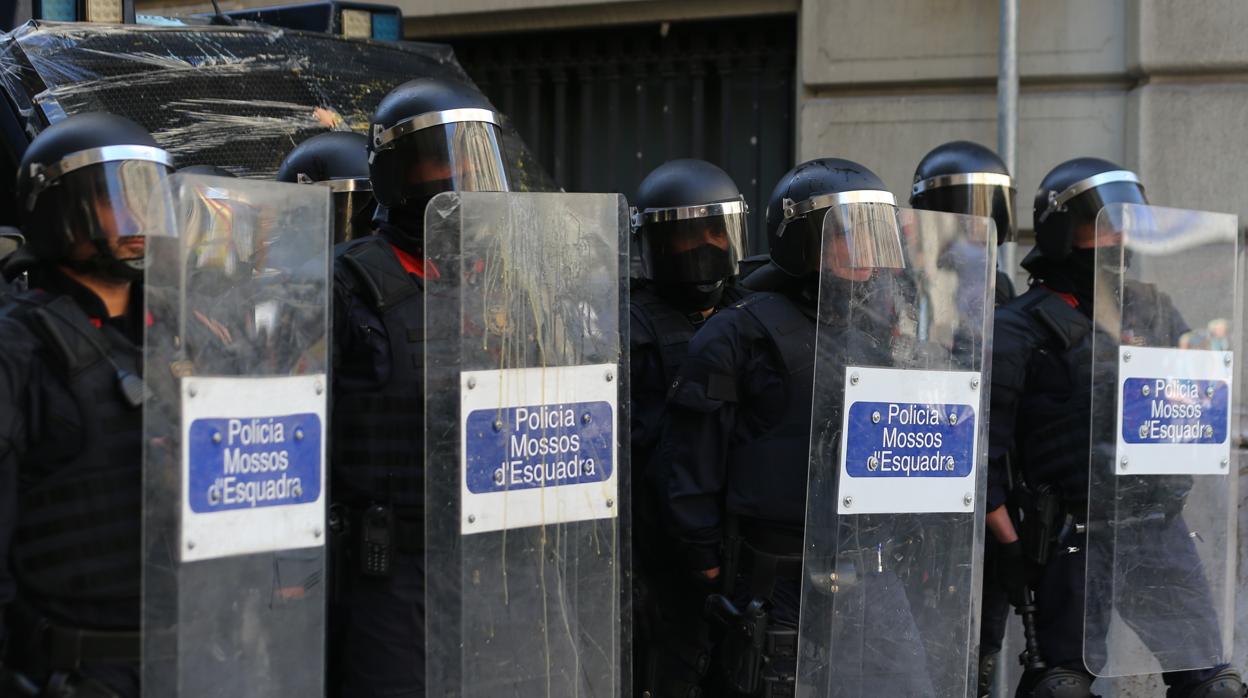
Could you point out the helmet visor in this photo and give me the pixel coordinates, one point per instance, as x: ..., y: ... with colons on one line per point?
x: 457, y: 156
x: 1085, y: 207
x: 353, y: 214
x: 115, y: 200
x: 697, y: 250
x: 861, y: 235
x: 995, y: 202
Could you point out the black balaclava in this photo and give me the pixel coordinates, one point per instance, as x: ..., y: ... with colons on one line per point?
x: 107, y: 265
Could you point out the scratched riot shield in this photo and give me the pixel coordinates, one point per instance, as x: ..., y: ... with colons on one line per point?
x: 1159, y: 593
x: 893, y: 541
x: 526, y: 445
x: 234, y: 442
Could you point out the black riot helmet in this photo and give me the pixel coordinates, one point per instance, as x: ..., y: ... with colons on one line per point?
x: 338, y: 160
x: 967, y: 178
x: 94, y: 178
x: 1072, y: 194
x: 429, y: 136
x: 862, y: 212
x: 690, y: 220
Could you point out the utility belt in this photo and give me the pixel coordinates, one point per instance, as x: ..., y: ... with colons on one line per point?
x: 368, y: 538
x: 756, y: 656
x: 766, y: 553
x: 39, y: 647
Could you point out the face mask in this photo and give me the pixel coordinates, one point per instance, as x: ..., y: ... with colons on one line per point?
x: 1084, y: 261
x: 693, y: 298
x: 405, y: 227
x: 104, y: 264
x: 704, y: 264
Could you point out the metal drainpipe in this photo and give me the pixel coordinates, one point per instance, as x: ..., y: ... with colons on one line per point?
x: 1007, y: 144
x: 1007, y: 110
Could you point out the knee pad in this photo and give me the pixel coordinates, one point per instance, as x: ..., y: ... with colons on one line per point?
x: 1224, y: 684
x: 1062, y: 683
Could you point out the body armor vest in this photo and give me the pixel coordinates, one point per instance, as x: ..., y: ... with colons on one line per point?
x: 1052, y: 424
x: 784, y: 449
x: 1054, y: 417
x: 378, y: 445
x: 671, y: 330
x: 76, y: 548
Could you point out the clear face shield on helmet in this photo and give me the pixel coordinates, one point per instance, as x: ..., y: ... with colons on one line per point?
x: 850, y: 234
x: 984, y: 194
x: 1084, y: 200
x: 692, y: 245
x: 354, y: 205
x: 112, y: 197
x: 1088, y: 200
x: 452, y: 150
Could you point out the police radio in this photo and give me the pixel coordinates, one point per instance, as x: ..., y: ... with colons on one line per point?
x: 376, y: 541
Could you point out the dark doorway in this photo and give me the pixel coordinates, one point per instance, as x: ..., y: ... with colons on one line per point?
x: 602, y: 107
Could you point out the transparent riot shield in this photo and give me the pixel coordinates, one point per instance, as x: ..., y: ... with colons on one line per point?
x: 234, y: 442
x: 893, y: 541
x: 526, y: 445
x: 1159, y: 592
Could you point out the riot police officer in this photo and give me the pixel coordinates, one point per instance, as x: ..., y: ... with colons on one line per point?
x: 1041, y: 413
x: 967, y: 178
x: 426, y: 137
x: 737, y: 435
x: 689, y: 220
x: 70, y: 397
x: 338, y: 160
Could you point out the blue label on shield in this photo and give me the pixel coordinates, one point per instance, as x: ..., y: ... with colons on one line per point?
x: 909, y: 439
x: 1174, y: 411
x: 254, y: 462
x: 512, y: 448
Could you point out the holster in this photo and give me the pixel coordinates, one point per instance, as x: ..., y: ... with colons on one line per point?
x: 1042, y: 514
x: 756, y: 657
x: 743, y: 647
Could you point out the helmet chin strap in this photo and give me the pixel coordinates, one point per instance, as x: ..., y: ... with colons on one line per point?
x: 106, y: 265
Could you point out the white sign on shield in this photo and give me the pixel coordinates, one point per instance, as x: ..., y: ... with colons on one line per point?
x: 253, y: 465
x: 1174, y: 411
x: 910, y: 440
x: 539, y: 446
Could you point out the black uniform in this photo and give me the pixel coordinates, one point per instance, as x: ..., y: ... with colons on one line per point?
x: 737, y: 440
x: 671, y: 617
x: 71, y: 467
x: 378, y: 466
x: 659, y: 337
